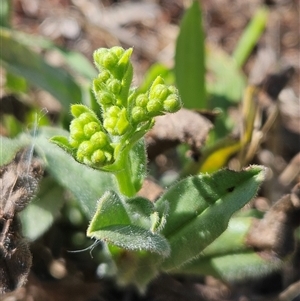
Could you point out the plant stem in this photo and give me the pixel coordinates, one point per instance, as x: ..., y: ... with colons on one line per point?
x: 124, y: 178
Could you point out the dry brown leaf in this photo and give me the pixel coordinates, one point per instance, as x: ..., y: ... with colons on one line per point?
x: 274, y: 234
x: 184, y: 126
x: 18, y: 183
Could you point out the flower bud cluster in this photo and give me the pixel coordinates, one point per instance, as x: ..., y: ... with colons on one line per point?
x: 111, y: 87
x: 124, y: 113
x: 115, y: 59
x: 158, y: 100
x: 115, y: 121
x: 87, y: 137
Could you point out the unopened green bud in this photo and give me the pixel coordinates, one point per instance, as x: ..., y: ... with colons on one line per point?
x: 100, y: 140
x: 117, y: 50
x: 109, y: 60
x: 142, y: 100
x: 113, y: 111
x: 77, y: 135
x: 159, y: 80
x: 115, y: 121
x: 109, y: 124
x: 101, y: 158
x: 76, y: 125
x: 173, y: 90
x: 103, y: 76
x: 139, y: 114
x: 172, y: 104
x: 155, y: 107
x: 105, y: 98
x: 85, y: 149
x: 85, y: 118
x: 98, y: 157
x: 114, y: 86
x: 100, y: 82
x: 91, y: 128
x: 159, y: 91
x: 122, y: 124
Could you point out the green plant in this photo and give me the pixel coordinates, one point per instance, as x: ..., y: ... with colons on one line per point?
x: 141, y: 238
x: 185, y: 230
x: 192, y: 213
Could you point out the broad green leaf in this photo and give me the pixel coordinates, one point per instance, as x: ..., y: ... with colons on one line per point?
x: 110, y: 211
x: 40, y: 214
x: 87, y: 184
x: 229, y: 257
x: 62, y: 142
x: 79, y: 63
x: 20, y: 60
x: 131, y: 237
x: 250, y: 36
x: 232, y: 240
x: 189, y: 60
x: 140, y: 211
x: 233, y: 267
x: 200, y: 209
x: 111, y: 223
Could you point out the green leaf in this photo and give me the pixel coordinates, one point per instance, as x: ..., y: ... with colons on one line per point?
x: 20, y: 60
x: 230, y: 258
x: 233, y: 267
x: 250, y: 36
x: 200, y: 209
x: 232, y: 240
x: 15, y: 83
x: 111, y: 223
x: 140, y: 210
x: 9, y: 148
x: 75, y: 60
x: 110, y: 211
x: 189, y: 60
x: 131, y: 237
x: 5, y: 13
x: 227, y: 81
x: 62, y: 142
x: 87, y: 184
x: 40, y: 214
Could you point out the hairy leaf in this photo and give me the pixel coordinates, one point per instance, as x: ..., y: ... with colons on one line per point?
x: 200, y: 208
x: 112, y: 224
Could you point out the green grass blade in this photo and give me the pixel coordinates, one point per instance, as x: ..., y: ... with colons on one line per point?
x: 250, y: 36
x: 189, y: 60
x: 5, y: 13
x: 20, y: 60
